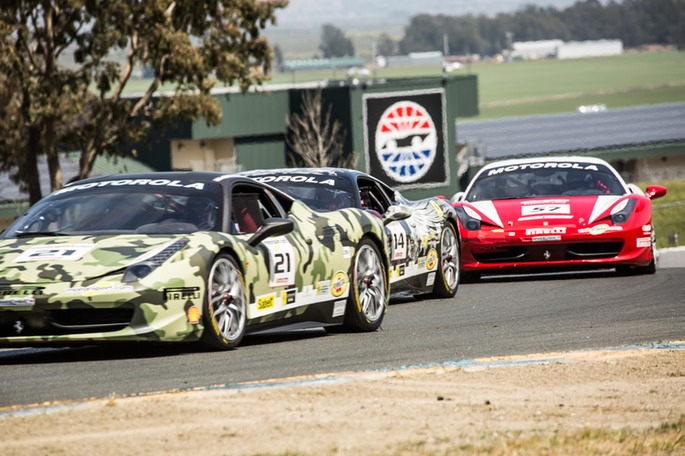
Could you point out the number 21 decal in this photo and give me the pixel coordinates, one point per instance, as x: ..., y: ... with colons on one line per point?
x: 49, y: 252
x: 281, y: 262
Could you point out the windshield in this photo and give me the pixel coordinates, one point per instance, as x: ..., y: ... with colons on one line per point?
x: 319, y: 193
x: 530, y: 181
x: 120, y: 210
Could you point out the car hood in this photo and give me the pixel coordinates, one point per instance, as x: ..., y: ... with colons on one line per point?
x: 574, y: 211
x: 74, y: 258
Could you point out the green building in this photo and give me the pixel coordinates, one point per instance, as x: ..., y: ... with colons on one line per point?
x: 400, y: 130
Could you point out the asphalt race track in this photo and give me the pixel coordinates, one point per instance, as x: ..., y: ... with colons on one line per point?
x: 502, y: 316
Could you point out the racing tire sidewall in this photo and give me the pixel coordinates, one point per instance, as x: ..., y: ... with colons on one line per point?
x: 225, y: 274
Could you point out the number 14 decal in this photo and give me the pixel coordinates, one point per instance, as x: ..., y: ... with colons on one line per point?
x: 398, y: 242
x: 281, y: 262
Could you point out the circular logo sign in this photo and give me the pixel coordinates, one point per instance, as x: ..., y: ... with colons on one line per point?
x: 406, y: 141
x: 431, y: 259
x: 339, y: 284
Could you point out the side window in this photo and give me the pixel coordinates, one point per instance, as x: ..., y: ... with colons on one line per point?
x: 246, y: 215
x: 250, y: 207
x: 373, y: 197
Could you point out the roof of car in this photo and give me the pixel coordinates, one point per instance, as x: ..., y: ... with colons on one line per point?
x: 326, y: 171
x: 188, y: 176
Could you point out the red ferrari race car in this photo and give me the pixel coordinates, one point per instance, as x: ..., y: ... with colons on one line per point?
x: 555, y: 213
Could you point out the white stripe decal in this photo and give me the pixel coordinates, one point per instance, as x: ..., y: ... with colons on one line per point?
x: 488, y: 209
x: 601, y: 205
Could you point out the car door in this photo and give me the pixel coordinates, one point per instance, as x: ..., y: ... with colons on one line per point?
x: 377, y: 197
x: 302, y: 266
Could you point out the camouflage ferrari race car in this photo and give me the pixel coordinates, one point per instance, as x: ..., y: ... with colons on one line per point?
x: 185, y: 256
x: 424, y: 243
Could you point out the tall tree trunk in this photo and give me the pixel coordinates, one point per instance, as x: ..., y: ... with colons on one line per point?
x: 29, y: 169
x: 54, y: 166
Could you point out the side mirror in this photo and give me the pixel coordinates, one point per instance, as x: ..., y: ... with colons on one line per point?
x: 396, y: 212
x: 275, y: 226
x: 655, y: 191
x: 458, y: 196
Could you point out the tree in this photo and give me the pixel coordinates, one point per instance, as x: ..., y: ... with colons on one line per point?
x: 385, y: 45
x: 189, y: 45
x: 314, y: 138
x: 278, y: 57
x: 334, y: 43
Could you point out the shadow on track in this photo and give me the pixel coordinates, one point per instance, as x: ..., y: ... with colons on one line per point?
x: 542, y: 276
x: 139, y: 350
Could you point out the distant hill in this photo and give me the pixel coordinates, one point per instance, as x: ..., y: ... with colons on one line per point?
x: 299, y: 24
x: 355, y: 14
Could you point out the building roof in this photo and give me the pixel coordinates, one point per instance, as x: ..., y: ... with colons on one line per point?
x: 103, y: 166
x: 575, y: 133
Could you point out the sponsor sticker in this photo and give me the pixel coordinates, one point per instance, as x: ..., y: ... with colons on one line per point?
x: 339, y: 308
x: 600, y: 229
x: 543, y: 217
x: 546, y: 165
x: 28, y: 301
x: 295, y: 178
x: 347, y: 252
x: 339, y: 284
x: 103, y: 287
x: 133, y: 182
x: 545, y: 238
x: 323, y: 287
x: 396, y: 271
x: 266, y: 302
x: 430, y: 279
x: 181, y: 293
x: 431, y: 259
x: 539, y: 231
x: 644, y: 242
x: 21, y: 291
x: 288, y: 297
x: 193, y: 315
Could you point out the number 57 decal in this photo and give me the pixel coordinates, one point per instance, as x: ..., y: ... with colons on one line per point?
x: 282, y: 262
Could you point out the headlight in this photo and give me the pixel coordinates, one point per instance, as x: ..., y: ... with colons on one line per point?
x: 469, y: 218
x: 621, y: 212
x: 142, y: 269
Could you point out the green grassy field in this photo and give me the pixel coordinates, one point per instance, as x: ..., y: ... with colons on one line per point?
x: 553, y: 86
x: 668, y: 213
x: 543, y: 86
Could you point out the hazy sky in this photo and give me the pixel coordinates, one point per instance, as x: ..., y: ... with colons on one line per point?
x: 350, y: 13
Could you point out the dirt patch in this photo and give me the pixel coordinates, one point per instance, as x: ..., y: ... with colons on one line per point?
x: 606, y: 402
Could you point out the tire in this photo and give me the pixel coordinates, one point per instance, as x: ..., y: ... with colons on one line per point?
x: 225, y: 307
x: 367, y: 302
x: 449, y: 266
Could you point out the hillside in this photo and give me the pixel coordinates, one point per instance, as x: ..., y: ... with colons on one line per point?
x: 299, y: 24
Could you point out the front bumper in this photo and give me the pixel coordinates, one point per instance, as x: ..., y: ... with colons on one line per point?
x: 492, y: 253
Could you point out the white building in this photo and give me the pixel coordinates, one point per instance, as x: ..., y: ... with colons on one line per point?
x: 543, y: 49
x: 530, y: 50
x: 579, y: 49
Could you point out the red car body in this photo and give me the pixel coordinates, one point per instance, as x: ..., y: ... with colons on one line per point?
x: 555, y: 213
